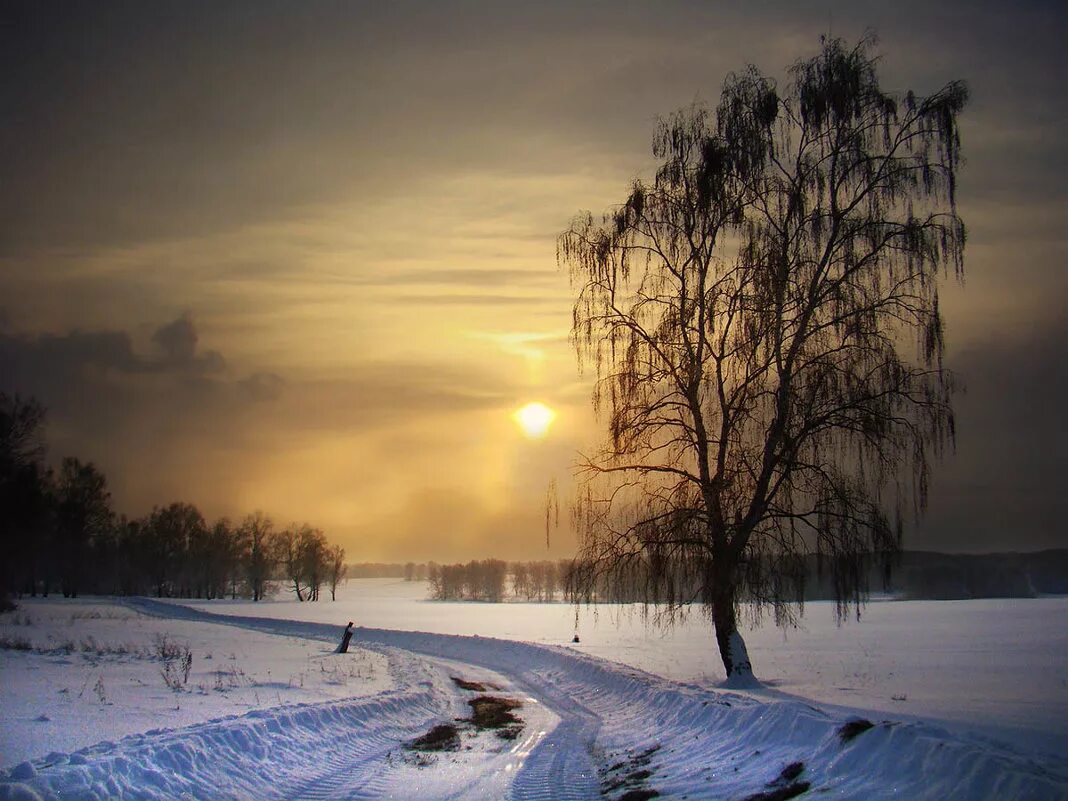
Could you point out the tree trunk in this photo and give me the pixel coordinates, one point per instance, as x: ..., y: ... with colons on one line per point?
x: 731, y: 645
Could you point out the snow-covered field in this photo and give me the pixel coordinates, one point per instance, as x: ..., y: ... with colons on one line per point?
x: 970, y: 700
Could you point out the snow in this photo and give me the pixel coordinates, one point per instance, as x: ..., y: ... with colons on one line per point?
x: 589, y: 724
x: 97, y: 676
x: 996, y: 666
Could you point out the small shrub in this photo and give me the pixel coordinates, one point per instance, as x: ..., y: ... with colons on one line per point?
x: 230, y: 679
x: 97, y: 614
x: 10, y: 643
x: 177, y: 661
x: 165, y: 648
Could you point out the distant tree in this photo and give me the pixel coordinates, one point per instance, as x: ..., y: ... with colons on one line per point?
x: 25, y: 501
x: 336, y: 560
x: 748, y: 315
x: 106, y: 559
x: 478, y: 580
x: 285, y: 545
x: 544, y: 579
x: 569, y: 578
x: 83, y: 514
x: 256, y: 532
x: 222, y: 558
x: 409, y: 571
x: 21, y: 431
x: 521, y: 580
x: 135, y: 557
x: 494, y: 576
x: 314, y: 557
x: 453, y: 582
x: 436, y: 581
x: 174, y: 536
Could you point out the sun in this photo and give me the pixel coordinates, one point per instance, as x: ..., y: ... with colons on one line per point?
x: 535, y: 419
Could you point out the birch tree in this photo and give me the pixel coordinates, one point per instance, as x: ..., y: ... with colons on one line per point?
x: 762, y: 319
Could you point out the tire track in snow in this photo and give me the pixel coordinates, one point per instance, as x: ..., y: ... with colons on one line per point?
x: 559, y: 766
x: 357, y: 772
x: 266, y: 754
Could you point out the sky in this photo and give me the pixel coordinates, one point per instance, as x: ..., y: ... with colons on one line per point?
x: 301, y: 257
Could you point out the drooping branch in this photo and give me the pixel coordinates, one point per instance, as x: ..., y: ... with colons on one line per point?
x: 747, y: 315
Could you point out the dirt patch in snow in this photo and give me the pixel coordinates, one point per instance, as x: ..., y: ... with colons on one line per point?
x: 854, y: 727
x: 631, y: 775
x: 493, y: 712
x: 496, y: 713
x: 443, y: 737
x: 785, y: 786
x: 487, y: 712
x: 473, y: 686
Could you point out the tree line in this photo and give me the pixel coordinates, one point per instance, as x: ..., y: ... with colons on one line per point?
x: 494, y: 580
x: 59, y: 532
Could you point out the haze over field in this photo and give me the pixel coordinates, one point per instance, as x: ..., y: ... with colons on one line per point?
x: 301, y: 257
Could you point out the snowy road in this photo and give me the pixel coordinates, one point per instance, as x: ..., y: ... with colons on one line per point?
x: 592, y: 729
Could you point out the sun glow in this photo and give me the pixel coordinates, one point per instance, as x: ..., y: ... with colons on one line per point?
x: 535, y: 419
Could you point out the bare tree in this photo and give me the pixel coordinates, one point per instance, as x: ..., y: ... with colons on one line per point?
x: 748, y: 315
x: 83, y: 514
x: 172, y: 535
x: 223, y: 559
x: 436, y: 579
x: 25, y: 513
x: 314, y: 558
x: 256, y: 535
x: 521, y: 579
x: 337, y: 569
x: 287, y: 551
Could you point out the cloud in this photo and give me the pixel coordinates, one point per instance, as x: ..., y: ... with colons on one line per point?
x: 35, y: 360
x: 355, y: 196
x: 1002, y: 487
x: 178, y: 340
x: 461, y: 277
x: 493, y: 300
x: 263, y: 386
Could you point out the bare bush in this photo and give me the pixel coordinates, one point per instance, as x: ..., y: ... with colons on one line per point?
x: 177, y: 661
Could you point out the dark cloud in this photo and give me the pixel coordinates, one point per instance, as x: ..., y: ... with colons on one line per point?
x: 33, y: 359
x: 99, y: 389
x: 125, y: 124
x: 40, y: 360
x: 263, y: 386
x: 178, y: 340
x: 1002, y: 487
